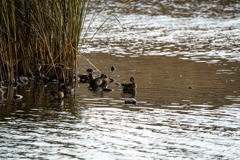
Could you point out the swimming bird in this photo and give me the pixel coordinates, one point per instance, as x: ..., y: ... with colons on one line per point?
x: 91, y: 78
x: 84, y: 77
x: 89, y: 71
x: 57, y: 94
x: 106, y: 81
x: 130, y: 101
x: 67, y: 89
x: 17, y: 96
x: 95, y: 82
x: 130, y: 86
x: 113, y: 68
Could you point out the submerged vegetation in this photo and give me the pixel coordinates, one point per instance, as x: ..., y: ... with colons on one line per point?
x: 41, y: 38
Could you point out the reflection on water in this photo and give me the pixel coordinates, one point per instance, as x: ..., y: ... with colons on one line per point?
x: 184, y: 58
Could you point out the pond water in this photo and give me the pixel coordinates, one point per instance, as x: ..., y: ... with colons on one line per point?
x: 184, y: 57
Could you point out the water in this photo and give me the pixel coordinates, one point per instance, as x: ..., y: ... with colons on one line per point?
x: 185, y: 60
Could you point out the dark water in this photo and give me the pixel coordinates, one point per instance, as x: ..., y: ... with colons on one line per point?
x: 184, y: 57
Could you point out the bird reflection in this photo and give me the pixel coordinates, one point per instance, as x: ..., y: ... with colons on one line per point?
x: 129, y: 93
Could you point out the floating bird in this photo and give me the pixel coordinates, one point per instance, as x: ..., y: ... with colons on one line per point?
x: 91, y: 77
x: 106, y: 80
x: 113, y: 68
x: 17, y: 96
x: 95, y: 82
x: 84, y: 77
x: 67, y: 89
x: 57, y: 94
x: 130, y: 101
x: 89, y: 71
x: 130, y: 86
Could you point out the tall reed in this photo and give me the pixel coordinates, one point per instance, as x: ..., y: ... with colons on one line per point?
x: 40, y: 37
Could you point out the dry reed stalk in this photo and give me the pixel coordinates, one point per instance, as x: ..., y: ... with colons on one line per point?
x: 34, y: 32
x: 42, y: 37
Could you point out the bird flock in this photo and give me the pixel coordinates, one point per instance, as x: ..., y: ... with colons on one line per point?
x: 101, y: 81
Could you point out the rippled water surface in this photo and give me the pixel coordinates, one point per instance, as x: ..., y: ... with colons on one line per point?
x: 184, y: 57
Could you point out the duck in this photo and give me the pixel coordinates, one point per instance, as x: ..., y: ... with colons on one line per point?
x: 89, y: 71
x: 67, y: 89
x: 95, y: 82
x: 113, y: 68
x: 130, y: 101
x: 57, y: 94
x: 84, y: 77
x: 17, y: 96
x: 106, y: 80
x: 130, y: 86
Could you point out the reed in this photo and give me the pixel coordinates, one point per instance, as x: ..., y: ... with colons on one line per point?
x: 41, y: 37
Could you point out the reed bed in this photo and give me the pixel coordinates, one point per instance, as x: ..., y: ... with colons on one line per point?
x: 40, y: 37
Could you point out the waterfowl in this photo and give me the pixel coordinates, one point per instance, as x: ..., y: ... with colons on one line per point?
x: 89, y: 71
x: 130, y: 101
x: 17, y: 96
x: 107, y: 80
x: 67, y: 89
x: 84, y: 77
x: 130, y: 86
x: 113, y: 68
x: 95, y: 82
x: 91, y: 77
x: 57, y: 94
